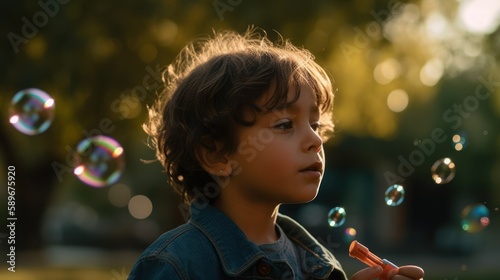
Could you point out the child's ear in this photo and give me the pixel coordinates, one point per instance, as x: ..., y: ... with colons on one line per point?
x: 211, y: 159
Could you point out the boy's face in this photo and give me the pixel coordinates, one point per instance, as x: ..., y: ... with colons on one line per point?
x: 280, y: 158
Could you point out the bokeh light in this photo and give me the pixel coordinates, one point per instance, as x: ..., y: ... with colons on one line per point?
x: 336, y: 217
x: 32, y: 111
x: 432, y: 72
x: 479, y: 16
x: 387, y: 71
x: 459, y: 141
x: 475, y: 218
x: 140, y: 207
x: 119, y: 195
x: 437, y: 25
x: 394, y: 195
x: 101, y: 161
x: 349, y: 234
x: 397, y: 100
x: 443, y: 171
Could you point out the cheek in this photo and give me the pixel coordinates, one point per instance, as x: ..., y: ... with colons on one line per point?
x: 277, y: 157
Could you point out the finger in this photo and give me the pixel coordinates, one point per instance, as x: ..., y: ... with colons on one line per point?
x: 411, y: 271
x: 367, y: 273
x: 406, y: 272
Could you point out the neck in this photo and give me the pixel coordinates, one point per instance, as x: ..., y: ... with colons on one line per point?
x: 256, y: 220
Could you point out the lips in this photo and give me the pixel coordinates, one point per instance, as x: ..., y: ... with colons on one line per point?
x: 315, y: 167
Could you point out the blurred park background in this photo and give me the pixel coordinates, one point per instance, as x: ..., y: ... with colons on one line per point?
x: 418, y: 81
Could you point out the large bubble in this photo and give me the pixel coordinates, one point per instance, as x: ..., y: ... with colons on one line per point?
x: 336, y: 217
x: 394, y: 195
x: 475, y: 217
x: 32, y: 111
x: 101, y: 161
x: 443, y: 171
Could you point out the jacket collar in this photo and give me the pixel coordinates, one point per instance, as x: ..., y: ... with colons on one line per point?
x: 320, y: 262
x: 237, y: 254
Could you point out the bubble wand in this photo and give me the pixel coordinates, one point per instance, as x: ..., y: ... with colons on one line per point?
x: 357, y: 250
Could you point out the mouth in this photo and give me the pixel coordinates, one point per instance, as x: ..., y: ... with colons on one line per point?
x: 316, y: 167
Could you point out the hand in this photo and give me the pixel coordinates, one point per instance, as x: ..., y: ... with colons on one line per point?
x: 408, y: 272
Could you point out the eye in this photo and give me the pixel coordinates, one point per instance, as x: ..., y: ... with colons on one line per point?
x: 316, y: 126
x: 283, y: 125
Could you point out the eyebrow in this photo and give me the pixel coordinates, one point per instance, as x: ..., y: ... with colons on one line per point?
x: 292, y: 107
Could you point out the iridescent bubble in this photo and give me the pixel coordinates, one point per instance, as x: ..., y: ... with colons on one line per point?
x: 459, y: 141
x: 31, y: 111
x: 443, y: 171
x: 336, y: 217
x: 475, y: 217
x: 349, y: 234
x: 394, y: 195
x: 101, y: 161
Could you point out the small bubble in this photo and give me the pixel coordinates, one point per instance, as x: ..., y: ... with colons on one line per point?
x: 475, y: 217
x: 336, y: 217
x: 443, y: 171
x: 416, y: 142
x: 394, y: 195
x: 485, y: 132
x: 32, y: 111
x: 463, y: 267
x: 102, y: 161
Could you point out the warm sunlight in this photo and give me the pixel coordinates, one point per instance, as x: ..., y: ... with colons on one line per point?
x: 479, y: 16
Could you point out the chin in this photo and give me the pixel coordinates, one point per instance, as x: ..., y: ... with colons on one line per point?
x: 303, y: 197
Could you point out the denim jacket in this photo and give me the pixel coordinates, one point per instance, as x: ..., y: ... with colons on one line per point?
x: 211, y: 246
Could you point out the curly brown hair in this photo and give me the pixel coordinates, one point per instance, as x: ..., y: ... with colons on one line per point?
x: 209, y: 86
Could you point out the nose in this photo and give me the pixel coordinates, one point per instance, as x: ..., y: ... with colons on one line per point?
x: 313, y: 141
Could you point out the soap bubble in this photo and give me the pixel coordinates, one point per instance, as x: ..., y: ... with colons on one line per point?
x: 349, y: 234
x: 459, y: 141
x: 443, y: 171
x: 31, y: 111
x: 101, y: 161
x: 394, y: 195
x: 475, y: 217
x: 336, y: 217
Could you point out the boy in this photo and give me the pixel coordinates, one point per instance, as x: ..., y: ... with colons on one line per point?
x: 239, y: 129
